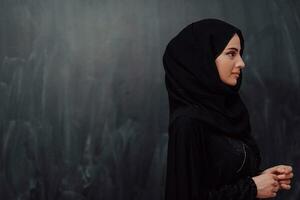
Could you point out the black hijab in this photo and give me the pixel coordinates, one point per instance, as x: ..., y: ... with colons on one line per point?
x: 193, y: 83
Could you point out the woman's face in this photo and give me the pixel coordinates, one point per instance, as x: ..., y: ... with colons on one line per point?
x: 229, y: 63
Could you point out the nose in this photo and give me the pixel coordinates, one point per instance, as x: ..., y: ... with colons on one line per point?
x: 240, y: 63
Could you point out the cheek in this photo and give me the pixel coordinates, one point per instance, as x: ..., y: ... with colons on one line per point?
x: 228, y: 66
x: 225, y: 68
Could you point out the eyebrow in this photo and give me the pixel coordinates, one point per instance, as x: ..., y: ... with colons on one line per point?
x: 233, y: 48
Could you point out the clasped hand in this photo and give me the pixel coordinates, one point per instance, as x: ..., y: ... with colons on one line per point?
x: 271, y: 180
x: 284, y: 174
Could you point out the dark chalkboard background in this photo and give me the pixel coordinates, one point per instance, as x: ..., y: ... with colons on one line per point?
x: 83, y: 106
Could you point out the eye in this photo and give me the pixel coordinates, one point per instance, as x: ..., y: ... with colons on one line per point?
x: 231, y: 54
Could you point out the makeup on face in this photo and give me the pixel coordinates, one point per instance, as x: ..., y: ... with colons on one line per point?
x: 230, y: 63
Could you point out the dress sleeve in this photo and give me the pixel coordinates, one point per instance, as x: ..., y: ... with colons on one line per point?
x: 187, y: 175
x: 259, y: 171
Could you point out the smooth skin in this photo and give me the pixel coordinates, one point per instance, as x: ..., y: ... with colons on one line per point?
x: 271, y: 180
x: 229, y: 64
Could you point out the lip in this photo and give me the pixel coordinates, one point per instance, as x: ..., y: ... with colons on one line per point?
x: 236, y: 74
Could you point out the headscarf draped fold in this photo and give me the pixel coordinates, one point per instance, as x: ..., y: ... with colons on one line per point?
x: 193, y: 83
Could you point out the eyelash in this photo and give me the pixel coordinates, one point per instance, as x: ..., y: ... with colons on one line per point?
x: 233, y: 54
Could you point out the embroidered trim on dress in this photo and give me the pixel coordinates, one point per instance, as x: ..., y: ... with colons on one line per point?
x: 244, y: 158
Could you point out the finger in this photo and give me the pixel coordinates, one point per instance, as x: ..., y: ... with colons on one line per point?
x: 274, y: 170
x: 284, y: 179
x: 281, y: 176
x: 285, y: 186
x: 280, y: 169
x: 290, y: 175
x: 288, y: 181
x: 287, y: 169
x: 283, y: 168
x: 285, y: 176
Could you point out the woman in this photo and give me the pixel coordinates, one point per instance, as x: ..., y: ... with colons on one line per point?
x: 211, y: 152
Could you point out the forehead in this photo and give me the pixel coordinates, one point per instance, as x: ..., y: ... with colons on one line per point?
x: 234, y: 42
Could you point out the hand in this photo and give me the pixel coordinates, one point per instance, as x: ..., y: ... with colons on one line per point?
x: 267, y: 185
x: 284, y: 174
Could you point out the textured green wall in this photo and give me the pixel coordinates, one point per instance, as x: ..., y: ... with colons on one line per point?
x: 83, y: 106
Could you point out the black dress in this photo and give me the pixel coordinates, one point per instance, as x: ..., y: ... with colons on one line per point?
x: 211, y: 152
x: 205, y: 165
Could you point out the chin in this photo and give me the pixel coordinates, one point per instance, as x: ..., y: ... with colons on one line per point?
x: 232, y: 82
